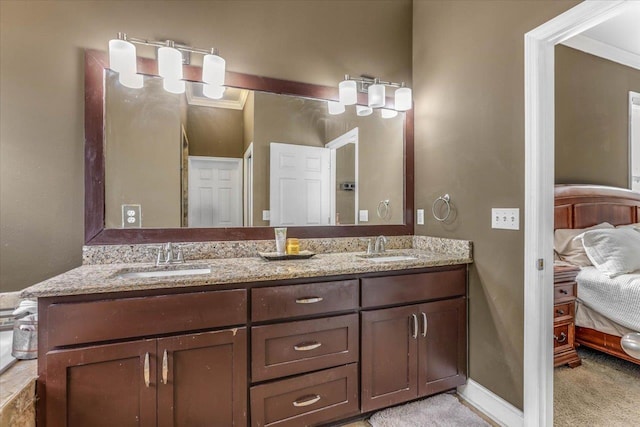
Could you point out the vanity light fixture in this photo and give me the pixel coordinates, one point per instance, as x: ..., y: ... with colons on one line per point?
x: 362, y: 110
x: 335, y: 107
x: 387, y: 113
x: 122, y: 59
x: 348, y: 92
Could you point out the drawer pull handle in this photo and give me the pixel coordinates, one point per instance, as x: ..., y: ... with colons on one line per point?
x: 559, y: 312
x: 414, y: 333
x: 146, y: 370
x: 306, y: 346
x: 562, y: 338
x: 564, y: 292
x: 306, y: 400
x: 424, y: 324
x: 165, y: 367
x: 308, y: 300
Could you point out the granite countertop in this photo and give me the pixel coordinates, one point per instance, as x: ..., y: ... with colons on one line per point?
x: 103, y: 278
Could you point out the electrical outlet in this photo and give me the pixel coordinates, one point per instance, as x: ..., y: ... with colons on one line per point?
x: 364, y: 215
x: 131, y: 216
x: 505, y: 218
x: 420, y: 216
x: 266, y: 215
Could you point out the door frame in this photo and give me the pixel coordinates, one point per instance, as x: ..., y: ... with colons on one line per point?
x: 632, y: 132
x: 350, y: 137
x: 247, y: 185
x: 539, y: 198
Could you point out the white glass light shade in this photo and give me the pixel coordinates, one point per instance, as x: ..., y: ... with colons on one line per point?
x: 213, y: 70
x: 173, y: 86
x: 170, y: 63
x: 388, y: 114
x: 361, y: 110
x: 376, y: 96
x: 122, y: 56
x: 348, y: 92
x: 133, y: 81
x: 335, y: 107
x: 212, y: 91
x: 403, y: 99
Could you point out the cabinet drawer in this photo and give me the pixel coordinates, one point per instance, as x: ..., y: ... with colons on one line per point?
x: 95, y: 321
x: 411, y: 288
x: 563, y: 311
x: 308, y: 399
x: 564, y: 292
x: 563, y: 337
x: 301, y: 300
x: 297, y: 347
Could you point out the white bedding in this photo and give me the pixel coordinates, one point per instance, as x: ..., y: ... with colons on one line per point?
x: 618, y: 299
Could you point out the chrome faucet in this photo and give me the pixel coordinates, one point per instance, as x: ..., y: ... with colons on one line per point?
x: 379, y: 248
x: 166, y: 255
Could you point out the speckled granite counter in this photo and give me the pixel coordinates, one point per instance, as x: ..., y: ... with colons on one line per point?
x: 18, y: 395
x: 103, y: 278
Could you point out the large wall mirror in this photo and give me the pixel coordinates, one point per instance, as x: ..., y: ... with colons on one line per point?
x: 184, y: 167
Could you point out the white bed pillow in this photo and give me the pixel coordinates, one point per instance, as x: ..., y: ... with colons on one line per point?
x: 635, y: 226
x: 613, y: 252
x: 570, y: 249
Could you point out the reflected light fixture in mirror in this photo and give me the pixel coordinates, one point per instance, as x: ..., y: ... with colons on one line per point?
x: 362, y: 110
x: 387, y: 113
x: 376, y: 90
x: 335, y: 107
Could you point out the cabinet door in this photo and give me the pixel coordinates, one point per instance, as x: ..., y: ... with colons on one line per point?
x: 443, y: 342
x: 389, y: 357
x: 106, y: 385
x: 202, y: 379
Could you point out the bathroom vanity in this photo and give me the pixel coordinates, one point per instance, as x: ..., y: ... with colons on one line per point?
x: 274, y: 351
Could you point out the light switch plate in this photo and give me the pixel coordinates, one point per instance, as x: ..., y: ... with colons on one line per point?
x: 266, y: 215
x: 420, y: 217
x: 131, y: 216
x: 364, y: 215
x: 505, y: 218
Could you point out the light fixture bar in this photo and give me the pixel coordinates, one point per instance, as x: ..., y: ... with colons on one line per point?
x: 157, y: 43
x: 372, y: 80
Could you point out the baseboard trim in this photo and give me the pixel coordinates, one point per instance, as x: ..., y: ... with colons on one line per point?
x: 493, y: 406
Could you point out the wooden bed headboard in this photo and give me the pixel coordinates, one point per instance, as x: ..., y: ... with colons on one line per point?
x: 581, y: 206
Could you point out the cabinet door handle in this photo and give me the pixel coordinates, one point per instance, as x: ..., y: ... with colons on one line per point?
x: 308, y: 300
x: 306, y: 346
x: 414, y: 333
x: 562, y: 338
x: 559, y: 312
x: 424, y: 324
x: 563, y: 291
x: 165, y: 367
x: 146, y: 369
x: 306, y: 400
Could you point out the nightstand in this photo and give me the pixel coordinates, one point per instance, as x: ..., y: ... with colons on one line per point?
x: 564, y: 297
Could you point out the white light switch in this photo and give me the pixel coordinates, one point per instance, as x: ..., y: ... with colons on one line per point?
x: 266, y: 215
x: 420, y: 216
x: 364, y: 215
x: 505, y: 218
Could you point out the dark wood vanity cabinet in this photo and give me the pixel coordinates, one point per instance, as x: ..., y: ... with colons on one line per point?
x: 413, y: 350
x: 180, y: 380
x: 306, y: 353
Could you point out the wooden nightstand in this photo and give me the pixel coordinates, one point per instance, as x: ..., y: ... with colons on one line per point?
x: 564, y: 297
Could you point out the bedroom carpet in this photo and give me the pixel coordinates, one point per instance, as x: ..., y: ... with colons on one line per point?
x: 604, y: 391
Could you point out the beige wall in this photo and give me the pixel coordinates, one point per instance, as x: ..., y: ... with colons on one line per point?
x: 215, y: 132
x: 592, y: 118
x: 41, y: 82
x: 142, y: 153
x: 468, y: 67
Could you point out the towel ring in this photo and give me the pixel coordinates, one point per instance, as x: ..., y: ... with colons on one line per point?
x: 446, y: 201
x: 383, y: 209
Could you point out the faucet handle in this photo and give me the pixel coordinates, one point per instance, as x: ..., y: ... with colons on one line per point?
x: 369, y: 245
x: 180, y: 255
x: 160, y: 258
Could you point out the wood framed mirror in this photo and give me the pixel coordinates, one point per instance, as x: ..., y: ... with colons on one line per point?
x: 96, y: 233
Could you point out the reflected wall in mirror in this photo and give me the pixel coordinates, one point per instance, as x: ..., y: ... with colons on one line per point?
x: 155, y: 184
x: 251, y: 158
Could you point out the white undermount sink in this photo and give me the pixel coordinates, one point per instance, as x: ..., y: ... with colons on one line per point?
x: 389, y: 258
x: 163, y: 272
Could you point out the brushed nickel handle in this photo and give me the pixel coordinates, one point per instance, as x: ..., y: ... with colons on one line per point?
x: 559, y: 312
x: 165, y: 367
x: 306, y: 346
x: 306, y: 400
x: 562, y: 338
x: 414, y: 334
x: 424, y: 324
x: 146, y: 370
x: 308, y: 300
